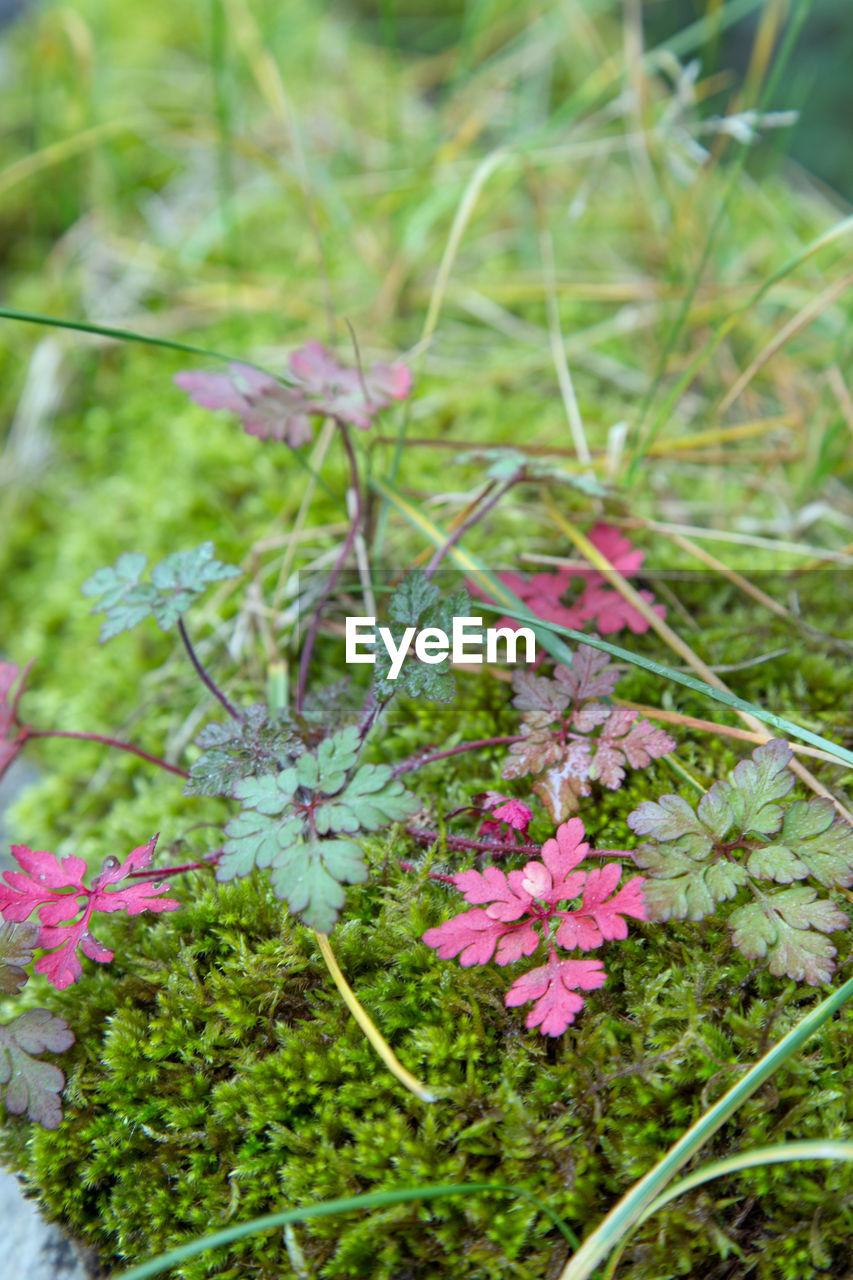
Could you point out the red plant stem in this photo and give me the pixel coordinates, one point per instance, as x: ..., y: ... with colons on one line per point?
x: 159, y: 873
x: 415, y: 762
x: 108, y: 742
x: 476, y: 515
x: 426, y: 836
x: 355, y: 524
x: 433, y: 875
x: 203, y: 676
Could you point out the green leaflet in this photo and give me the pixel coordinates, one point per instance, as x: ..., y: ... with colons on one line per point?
x: 699, y: 858
x: 418, y: 602
x: 788, y: 929
x: 292, y: 824
x: 174, y: 584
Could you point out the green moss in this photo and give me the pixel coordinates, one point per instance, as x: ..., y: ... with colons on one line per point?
x: 216, y: 1077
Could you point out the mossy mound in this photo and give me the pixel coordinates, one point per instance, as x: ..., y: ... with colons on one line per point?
x: 216, y: 1077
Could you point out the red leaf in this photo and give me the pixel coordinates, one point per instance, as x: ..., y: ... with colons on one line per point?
x: 553, y: 988
x: 543, y: 592
x: 475, y: 934
x: 514, y: 813
x: 39, y: 888
x: 597, y: 919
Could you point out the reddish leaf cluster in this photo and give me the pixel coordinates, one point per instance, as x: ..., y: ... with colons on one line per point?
x: 571, y: 739
x: 273, y: 410
x: 514, y: 914
x: 504, y: 813
x: 52, y: 887
x: 594, y: 600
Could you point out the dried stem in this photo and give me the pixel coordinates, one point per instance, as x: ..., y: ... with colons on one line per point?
x: 375, y: 1037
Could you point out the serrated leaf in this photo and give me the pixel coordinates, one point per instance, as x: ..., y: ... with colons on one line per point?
x: 371, y: 800
x: 788, y: 929
x: 309, y: 877
x: 174, y: 584
x: 17, y: 943
x: 31, y: 1085
x: 248, y: 748
x: 813, y: 841
x: 269, y: 794
x: 414, y: 595
x: 679, y: 888
x: 417, y: 602
x: 757, y: 784
x: 335, y: 757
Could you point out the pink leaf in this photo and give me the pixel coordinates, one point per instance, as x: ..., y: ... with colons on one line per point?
x: 553, y: 988
x: 61, y: 967
x: 39, y: 888
x: 268, y: 409
x: 561, y: 854
x: 598, y: 919
x: 347, y: 394
x: 508, y: 902
x: 514, y: 813
x: 475, y: 934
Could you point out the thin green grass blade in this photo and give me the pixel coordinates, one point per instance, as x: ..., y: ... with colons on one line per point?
x: 645, y: 440
x: 630, y: 1208
x: 171, y: 344
x: 781, y: 1153
x: 835, y: 232
x: 549, y: 633
x: 328, y: 1208
x: 121, y: 335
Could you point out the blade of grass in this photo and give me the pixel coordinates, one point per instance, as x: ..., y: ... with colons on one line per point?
x: 795, y: 325
x: 645, y: 439
x: 679, y: 646
x: 835, y: 232
x: 612, y: 1229
x: 329, y: 1208
x: 548, y: 633
x: 120, y: 335
x: 782, y: 1153
x: 148, y: 340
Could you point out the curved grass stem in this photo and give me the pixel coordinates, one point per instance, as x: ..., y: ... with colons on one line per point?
x: 375, y: 1037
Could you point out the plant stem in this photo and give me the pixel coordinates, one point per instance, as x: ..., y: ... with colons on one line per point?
x: 374, y: 1036
x: 427, y: 836
x: 162, y: 872
x: 476, y: 515
x: 433, y: 875
x: 108, y: 742
x: 415, y: 762
x: 352, y: 533
x: 203, y: 676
